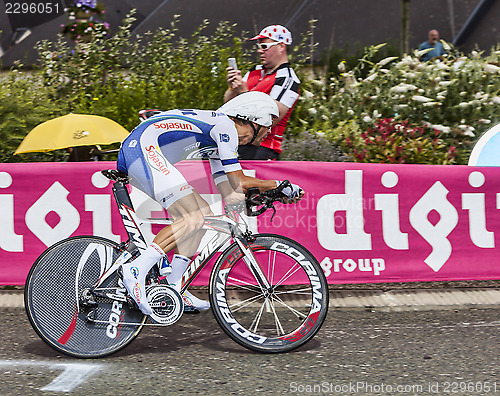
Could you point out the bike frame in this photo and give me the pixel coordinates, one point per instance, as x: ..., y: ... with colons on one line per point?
x: 225, y: 225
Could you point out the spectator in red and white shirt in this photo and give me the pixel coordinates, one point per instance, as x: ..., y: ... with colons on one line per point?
x: 273, y: 76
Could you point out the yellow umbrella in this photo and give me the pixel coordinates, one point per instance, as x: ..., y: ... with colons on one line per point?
x: 72, y: 130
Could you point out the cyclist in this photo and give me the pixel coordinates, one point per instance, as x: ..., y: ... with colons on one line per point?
x: 148, y: 156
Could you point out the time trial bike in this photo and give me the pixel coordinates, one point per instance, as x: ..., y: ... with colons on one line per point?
x: 266, y: 291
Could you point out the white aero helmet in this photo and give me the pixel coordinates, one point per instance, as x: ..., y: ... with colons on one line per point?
x: 252, y: 106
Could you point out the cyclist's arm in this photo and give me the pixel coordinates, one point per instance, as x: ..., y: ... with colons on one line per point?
x: 241, y: 182
x: 233, y: 192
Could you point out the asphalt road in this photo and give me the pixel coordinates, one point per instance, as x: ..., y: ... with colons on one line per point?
x: 356, y: 352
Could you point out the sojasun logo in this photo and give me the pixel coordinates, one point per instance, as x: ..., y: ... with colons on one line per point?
x: 174, y: 126
x: 156, y: 160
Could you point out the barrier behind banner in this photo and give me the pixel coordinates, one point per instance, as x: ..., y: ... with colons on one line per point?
x: 364, y: 223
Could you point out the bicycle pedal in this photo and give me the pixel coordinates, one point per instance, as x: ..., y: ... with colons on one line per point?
x: 131, y: 304
x: 190, y: 310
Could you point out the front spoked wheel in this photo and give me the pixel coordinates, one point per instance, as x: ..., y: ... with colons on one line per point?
x: 60, y: 305
x: 278, y: 317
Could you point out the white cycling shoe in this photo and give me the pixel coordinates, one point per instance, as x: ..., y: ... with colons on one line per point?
x: 136, y: 287
x: 194, y: 303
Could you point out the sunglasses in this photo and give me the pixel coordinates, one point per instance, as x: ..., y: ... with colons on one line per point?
x: 266, y: 46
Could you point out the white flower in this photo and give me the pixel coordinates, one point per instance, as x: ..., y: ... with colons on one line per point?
x: 350, y: 112
x: 312, y: 111
x: 463, y: 105
x: 407, y: 60
x: 376, y: 114
x: 420, y: 98
x: 442, y: 66
x: 371, y: 77
x: 399, y: 88
x: 491, y: 68
x: 403, y: 88
x: 429, y: 104
x: 441, y: 128
x: 475, y: 55
x: 446, y: 83
x: 459, y: 63
x: 418, y: 54
x: 441, y: 96
x: 367, y: 118
x: 385, y: 61
x: 308, y: 94
x: 341, y: 67
x: 468, y: 130
x: 484, y: 121
x: 401, y: 106
x: 495, y: 100
x: 446, y: 46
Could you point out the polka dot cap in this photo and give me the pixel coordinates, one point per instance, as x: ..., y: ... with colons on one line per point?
x: 276, y: 33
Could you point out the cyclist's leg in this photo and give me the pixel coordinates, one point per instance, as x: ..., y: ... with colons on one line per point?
x: 134, y: 273
x: 189, y: 247
x: 168, y: 187
x: 185, y: 250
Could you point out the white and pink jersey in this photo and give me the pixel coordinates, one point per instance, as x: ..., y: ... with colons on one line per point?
x: 149, y: 153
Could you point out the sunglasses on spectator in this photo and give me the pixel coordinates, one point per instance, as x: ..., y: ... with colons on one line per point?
x: 266, y: 46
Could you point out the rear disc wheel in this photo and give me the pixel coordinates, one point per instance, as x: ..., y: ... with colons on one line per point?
x: 57, y: 299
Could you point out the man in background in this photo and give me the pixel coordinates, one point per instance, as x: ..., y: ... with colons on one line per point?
x: 273, y: 76
x: 434, y: 44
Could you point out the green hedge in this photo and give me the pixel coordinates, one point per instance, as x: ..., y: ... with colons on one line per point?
x: 455, y: 100
x: 340, y: 115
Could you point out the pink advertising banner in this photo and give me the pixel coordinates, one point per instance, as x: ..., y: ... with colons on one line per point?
x: 364, y: 223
